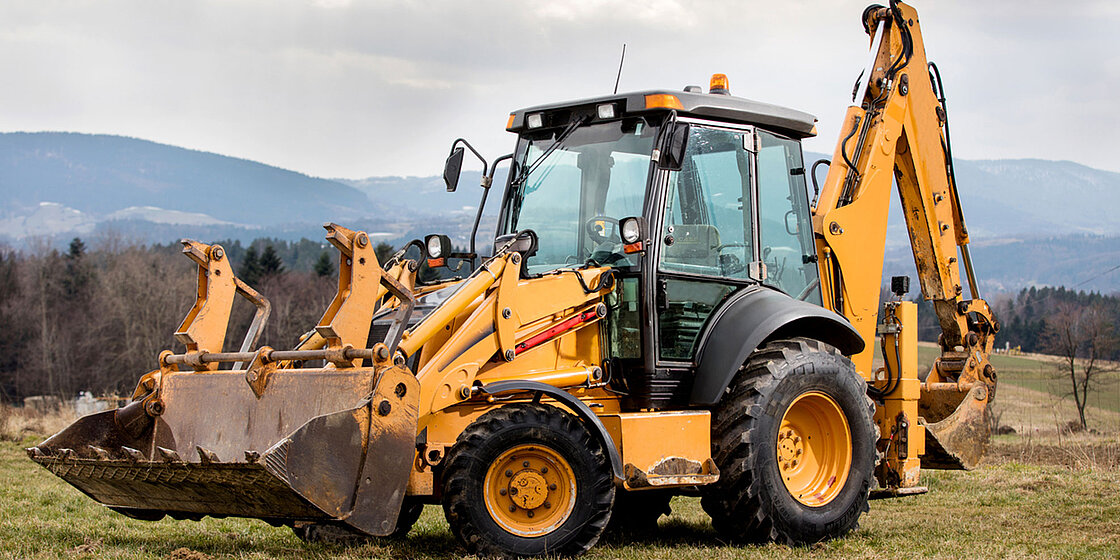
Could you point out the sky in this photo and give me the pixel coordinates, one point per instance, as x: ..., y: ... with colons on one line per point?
x: 352, y: 89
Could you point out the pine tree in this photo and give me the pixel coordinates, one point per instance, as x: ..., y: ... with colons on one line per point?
x: 250, y: 267
x: 271, y: 265
x: 383, y: 251
x: 324, y: 267
x: 79, y: 273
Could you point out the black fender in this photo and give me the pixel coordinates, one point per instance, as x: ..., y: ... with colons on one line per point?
x: 749, y: 318
x: 581, y: 410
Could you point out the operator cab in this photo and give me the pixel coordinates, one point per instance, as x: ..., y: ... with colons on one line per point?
x: 690, y: 197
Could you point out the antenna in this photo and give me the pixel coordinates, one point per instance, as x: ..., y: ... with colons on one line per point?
x: 621, y: 60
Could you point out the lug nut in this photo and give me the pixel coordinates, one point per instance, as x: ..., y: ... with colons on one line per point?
x: 512, y: 509
x: 509, y: 473
x: 544, y: 470
x: 502, y: 492
x: 530, y: 512
x: 547, y: 505
x: 551, y: 486
x: 525, y: 464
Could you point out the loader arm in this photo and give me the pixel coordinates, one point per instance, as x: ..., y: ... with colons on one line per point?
x: 896, y: 129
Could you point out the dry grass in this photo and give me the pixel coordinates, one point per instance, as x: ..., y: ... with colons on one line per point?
x: 18, y: 424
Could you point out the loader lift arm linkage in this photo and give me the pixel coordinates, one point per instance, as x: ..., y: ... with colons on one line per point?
x: 897, y: 128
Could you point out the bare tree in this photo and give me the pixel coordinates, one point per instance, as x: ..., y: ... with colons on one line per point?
x: 1083, y: 338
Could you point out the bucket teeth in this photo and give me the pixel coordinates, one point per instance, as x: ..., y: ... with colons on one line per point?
x: 134, y: 454
x: 34, y: 452
x: 252, y: 456
x: 169, y: 455
x: 66, y: 454
x: 206, y: 456
x: 101, y: 453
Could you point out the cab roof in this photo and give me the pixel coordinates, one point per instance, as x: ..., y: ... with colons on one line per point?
x: 717, y: 107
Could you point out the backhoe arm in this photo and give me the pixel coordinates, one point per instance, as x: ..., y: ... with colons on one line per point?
x: 896, y: 129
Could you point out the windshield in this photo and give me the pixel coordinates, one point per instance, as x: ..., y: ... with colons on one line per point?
x: 573, y: 194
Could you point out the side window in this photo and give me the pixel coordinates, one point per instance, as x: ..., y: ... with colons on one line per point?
x: 785, y: 229
x: 707, y: 228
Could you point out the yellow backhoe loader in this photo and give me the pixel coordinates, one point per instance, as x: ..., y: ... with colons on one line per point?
x: 665, y: 311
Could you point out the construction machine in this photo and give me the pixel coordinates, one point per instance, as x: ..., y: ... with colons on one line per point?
x: 665, y: 311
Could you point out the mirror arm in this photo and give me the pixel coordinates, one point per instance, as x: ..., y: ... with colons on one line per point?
x: 487, y: 181
x: 485, y: 166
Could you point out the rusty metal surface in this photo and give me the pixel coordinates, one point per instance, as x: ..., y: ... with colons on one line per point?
x: 227, y: 489
x: 219, y: 412
x: 961, y: 439
x: 384, y: 474
x: 672, y: 471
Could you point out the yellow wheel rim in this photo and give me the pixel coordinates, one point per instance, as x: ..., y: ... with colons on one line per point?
x: 814, y: 449
x: 530, y: 490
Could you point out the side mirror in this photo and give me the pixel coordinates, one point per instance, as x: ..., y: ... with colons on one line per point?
x: 452, y: 167
x: 673, y: 157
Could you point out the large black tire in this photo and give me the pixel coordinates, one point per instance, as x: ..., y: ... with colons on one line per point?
x: 475, y: 472
x: 638, y: 511
x: 751, y: 502
x: 344, y: 535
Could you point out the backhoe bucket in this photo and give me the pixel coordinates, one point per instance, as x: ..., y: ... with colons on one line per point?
x: 959, y: 440
x: 317, y: 444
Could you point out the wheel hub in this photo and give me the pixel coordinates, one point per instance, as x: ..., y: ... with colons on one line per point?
x: 530, y: 490
x: 791, y: 448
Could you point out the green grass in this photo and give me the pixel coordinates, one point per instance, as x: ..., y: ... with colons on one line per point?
x: 1006, y: 511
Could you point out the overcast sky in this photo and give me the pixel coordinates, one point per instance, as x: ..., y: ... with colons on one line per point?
x: 338, y: 88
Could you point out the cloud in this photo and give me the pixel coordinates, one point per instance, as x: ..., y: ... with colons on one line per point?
x: 359, y: 88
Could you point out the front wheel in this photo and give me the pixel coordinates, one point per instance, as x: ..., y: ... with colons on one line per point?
x: 527, y: 480
x: 795, y: 444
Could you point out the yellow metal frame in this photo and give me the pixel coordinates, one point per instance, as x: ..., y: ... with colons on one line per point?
x: 895, y: 134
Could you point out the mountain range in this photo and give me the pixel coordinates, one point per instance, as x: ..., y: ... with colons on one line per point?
x: 1033, y: 222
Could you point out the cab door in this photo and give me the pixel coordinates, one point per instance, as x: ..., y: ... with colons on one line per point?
x: 708, y: 237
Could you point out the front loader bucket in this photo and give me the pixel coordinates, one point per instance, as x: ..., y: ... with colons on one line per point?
x: 960, y: 440
x: 318, y: 444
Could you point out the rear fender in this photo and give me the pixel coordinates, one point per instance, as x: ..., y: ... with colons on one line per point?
x: 749, y: 318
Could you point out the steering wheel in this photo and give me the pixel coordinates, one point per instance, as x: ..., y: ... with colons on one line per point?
x: 595, y: 231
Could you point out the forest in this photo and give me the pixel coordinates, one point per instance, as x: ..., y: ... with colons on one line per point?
x: 95, y: 319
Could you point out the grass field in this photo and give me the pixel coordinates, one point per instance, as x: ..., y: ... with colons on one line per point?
x: 1040, y: 494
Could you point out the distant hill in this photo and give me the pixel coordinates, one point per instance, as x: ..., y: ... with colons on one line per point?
x: 1033, y: 222
x: 113, y: 177
x: 1029, y: 197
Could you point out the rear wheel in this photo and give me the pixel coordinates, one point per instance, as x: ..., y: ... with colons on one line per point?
x: 795, y: 444
x: 527, y: 480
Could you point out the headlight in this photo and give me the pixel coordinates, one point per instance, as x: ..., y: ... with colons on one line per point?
x: 536, y: 120
x: 605, y: 111
x: 631, y: 230
x: 439, y: 246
